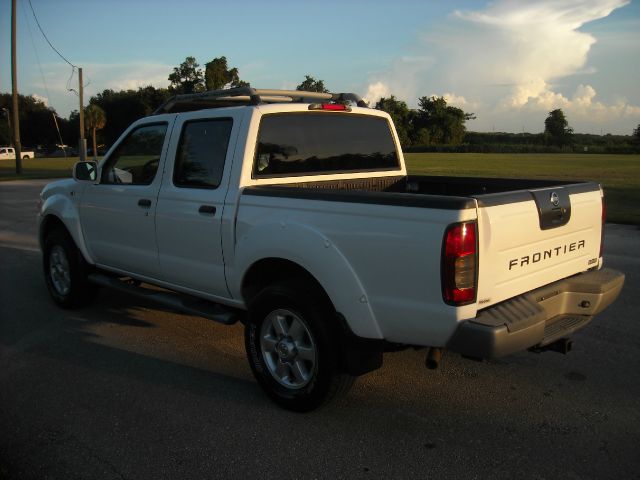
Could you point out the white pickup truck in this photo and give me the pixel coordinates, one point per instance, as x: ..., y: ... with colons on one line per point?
x: 9, y: 153
x: 293, y: 212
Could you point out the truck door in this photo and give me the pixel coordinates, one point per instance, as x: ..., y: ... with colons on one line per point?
x: 118, y: 214
x: 191, y: 201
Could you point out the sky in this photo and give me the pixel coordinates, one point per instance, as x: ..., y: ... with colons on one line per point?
x: 508, y: 61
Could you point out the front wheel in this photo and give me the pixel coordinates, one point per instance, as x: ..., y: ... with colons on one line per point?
x: 290, y: 348
x: 65, y: 271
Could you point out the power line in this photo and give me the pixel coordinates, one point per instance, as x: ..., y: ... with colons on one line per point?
x: 73, y: 67
x: 80, y: 89
x: 35, y: 51
x: 44, y: 81
x: 47, y: 39
x: 69, y: 89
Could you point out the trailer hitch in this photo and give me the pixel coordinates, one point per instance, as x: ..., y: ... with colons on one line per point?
x: 564, y: 346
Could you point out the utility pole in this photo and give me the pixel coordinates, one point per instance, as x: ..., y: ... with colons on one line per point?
x: 14, y: 89
x: 82, y: 144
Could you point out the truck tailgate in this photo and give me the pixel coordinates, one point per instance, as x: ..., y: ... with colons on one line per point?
x: 531, y: 238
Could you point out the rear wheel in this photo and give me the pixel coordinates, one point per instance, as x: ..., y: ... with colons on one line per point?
x: 65, y: 271
x: 290, y: 348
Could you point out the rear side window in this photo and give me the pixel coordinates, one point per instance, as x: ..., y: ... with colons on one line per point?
x: 292, y: 144
x: 202, y: 152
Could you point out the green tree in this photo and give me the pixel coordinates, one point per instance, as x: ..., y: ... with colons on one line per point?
x: 436, y: 123
x: 187, y: 77
x: 401, y: 116
x: 124, y: 107
x: 217, y: 75
x: 150, y: 98
x: 636, y: 134
x: 556, y: 128
x: 37, y: 123
x: 310, y: 84
x: 70, y: 128
x: 5, y: 126
x: 95, y: 119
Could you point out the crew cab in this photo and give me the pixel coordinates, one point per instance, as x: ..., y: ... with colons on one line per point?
x: 293, y: 213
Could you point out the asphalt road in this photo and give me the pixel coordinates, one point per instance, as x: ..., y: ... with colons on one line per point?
x: 125, y: 390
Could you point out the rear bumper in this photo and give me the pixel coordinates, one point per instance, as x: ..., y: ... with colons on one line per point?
x: 539, y: 317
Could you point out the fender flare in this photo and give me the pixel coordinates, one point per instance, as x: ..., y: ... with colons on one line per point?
x: 318, y: 255
x: 66, y: 212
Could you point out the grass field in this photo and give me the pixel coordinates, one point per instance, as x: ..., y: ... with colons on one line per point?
x: 38, y: 168
x: 619, y: 174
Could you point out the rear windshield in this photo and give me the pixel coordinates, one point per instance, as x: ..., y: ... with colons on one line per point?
x: 320, y: 143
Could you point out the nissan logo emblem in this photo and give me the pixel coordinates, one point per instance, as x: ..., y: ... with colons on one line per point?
x: 555, y: 200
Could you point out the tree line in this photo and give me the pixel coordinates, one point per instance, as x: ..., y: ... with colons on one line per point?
x: 433, y: 126
x: 557, y: 137
x: 432, y: 123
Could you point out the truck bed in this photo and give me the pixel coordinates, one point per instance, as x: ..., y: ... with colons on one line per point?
x: 531, y: 232
x: 432, y: 185
x: 432, y: 191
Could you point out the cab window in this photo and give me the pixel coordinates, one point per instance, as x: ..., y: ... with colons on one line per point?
x: 292, y: 144
x: 201, y: 153
x: 135, y: 161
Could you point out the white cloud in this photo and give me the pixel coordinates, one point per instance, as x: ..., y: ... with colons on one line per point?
x: 532, y: 43
x: 510, y: 57
x: 582, y: 105
x: 41, y: 99
x: 403, y: 78
x: 126, y: 76
x: 459, y: 101
x: 376, y: 91
x: 97, y: 77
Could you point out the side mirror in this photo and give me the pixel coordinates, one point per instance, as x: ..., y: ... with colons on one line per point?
x: 85, y: 172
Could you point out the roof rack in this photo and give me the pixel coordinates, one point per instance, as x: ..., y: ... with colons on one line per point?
x: 249, y: 96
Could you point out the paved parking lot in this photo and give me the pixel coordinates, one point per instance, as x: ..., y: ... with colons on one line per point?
x: 126, y: 390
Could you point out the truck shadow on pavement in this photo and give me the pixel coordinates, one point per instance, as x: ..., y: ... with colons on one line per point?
x: 124, y: 336
x: 117, y: 335
x: 124, y: 339
x: 122, y: 374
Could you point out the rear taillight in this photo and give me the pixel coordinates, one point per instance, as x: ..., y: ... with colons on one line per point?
x: 459, y: 264
x: 604, y: 219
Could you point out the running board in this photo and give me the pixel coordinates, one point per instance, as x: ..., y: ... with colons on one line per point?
x: 176, y: 301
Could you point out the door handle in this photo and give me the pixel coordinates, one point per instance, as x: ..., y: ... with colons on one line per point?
x: 144, y: 203
x: 207, y: 209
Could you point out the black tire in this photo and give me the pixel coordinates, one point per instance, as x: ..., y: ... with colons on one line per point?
x: 293, y: 382
x: 65, y: 271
